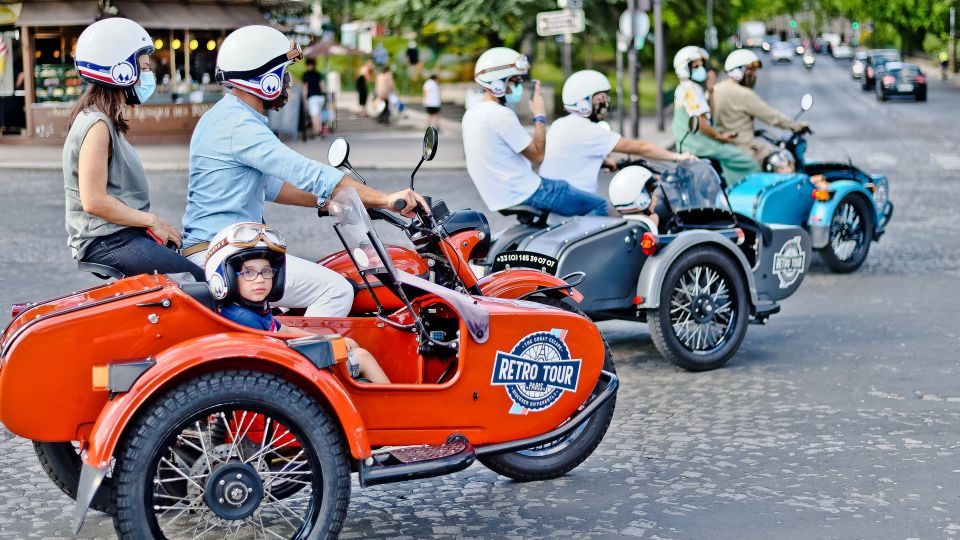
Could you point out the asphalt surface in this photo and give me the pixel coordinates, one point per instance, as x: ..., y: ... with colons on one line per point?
x: 838, y: 419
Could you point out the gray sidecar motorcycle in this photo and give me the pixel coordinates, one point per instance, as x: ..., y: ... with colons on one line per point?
x: 679, y: 258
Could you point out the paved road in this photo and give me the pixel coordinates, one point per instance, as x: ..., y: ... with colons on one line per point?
x: 839, y: 419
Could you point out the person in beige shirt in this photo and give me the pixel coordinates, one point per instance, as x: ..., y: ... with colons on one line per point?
x: 736, y: 106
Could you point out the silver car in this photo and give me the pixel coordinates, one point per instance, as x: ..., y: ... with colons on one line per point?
x: 859, y: 62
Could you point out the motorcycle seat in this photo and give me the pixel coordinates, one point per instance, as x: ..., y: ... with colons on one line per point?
x: 528, y: 215
x: 198, y: 290
x: 102, y: 271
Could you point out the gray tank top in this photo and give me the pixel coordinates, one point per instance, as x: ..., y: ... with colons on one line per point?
x: 126, y: 180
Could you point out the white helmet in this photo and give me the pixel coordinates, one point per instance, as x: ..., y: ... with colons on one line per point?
x: 255, y: 59
x: 108, y: 52
x: 628, y: 190
x: 496, y: 66
x: 579, y: 89
x: 681, y: 61
x: 238, y: 243
x: 739, y: 59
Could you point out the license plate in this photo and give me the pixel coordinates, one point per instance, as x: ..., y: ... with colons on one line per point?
x: 904, y: 88
x: 524, y: 259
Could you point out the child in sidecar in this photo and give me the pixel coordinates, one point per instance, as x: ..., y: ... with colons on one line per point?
x: 245, y: 269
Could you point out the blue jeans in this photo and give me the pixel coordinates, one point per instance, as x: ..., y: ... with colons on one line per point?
x: 560, y: 197
x: 132, y: 252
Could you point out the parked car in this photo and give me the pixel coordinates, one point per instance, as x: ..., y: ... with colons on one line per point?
x: 843, y: 51
x: 782, y: 51
x: 900, y: 79
x: 874, y: 64
x: 856, y: 67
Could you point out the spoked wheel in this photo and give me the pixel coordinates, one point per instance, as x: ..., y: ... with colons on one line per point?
x: 558, y: 457
x: 61, y: 461
x: 851, y: 230
x: 703, y: 311
x: 234, y: 454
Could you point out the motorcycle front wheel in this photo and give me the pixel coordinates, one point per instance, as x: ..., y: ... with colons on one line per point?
x: 851, y: 231
x: 558, y: 457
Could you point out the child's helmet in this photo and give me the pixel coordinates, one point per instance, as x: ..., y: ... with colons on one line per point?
x: 242, y: 242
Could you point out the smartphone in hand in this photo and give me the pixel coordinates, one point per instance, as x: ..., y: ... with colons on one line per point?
x: 536, y: 89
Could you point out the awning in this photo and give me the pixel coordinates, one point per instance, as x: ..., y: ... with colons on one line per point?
x: 177, y: 16
x: 9, y: 13
x: 58, y: 13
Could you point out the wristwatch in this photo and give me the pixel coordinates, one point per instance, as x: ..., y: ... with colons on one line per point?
x: 353, y: 364
x: 540, y: 118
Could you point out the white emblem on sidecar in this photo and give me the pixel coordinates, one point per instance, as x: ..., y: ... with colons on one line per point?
x: 788, y: 263
x: 537, y: 371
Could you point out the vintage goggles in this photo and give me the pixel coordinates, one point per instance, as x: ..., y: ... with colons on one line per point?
x: 249, y: 235
x: 294, y: 55
x: 521, y: 64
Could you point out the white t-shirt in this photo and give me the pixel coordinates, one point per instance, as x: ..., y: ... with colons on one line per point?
x: 431, y: 93
x: 576, y: 148
x: 690, y: 96
x: 492, y: 141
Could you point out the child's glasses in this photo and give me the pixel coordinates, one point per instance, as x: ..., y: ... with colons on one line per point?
x: 249, y: 274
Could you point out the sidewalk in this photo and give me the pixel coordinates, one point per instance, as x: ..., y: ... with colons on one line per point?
x: 394, y: 147
x: 932, y: 71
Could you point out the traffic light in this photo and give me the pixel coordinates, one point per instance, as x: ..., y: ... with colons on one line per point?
x: 793, y: 23
x: 855, y: 25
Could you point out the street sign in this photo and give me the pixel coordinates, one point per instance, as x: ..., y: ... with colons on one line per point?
x: 642, y: 21
x: 567, y: 21
x: 710, y: 38
x: 570, y: 4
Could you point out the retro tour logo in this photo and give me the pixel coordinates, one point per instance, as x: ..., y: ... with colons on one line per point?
x: 537, y: 371
x: 788, y: 262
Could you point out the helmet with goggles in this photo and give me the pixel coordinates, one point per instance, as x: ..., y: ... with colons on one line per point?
x: 630, y: 190
x: 579, y: 88
x: 255, y: 59
x: 108, y: 53
x: 684, y: 57
x: 738, y: 60
x: 498, y: 65
x: 239, y: 243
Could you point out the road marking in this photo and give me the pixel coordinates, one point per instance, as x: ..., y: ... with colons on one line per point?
x: 947, y: 162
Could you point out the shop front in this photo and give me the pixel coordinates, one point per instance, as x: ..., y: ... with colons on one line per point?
x: 186, y: 37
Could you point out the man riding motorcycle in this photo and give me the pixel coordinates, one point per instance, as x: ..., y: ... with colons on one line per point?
x: 577, y: 146
x: 736, y: 106
x: 237, y: 163
x: 690, y: 101
x: 500, y: 153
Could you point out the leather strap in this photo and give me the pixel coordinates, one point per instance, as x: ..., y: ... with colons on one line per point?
x: 196, y: 248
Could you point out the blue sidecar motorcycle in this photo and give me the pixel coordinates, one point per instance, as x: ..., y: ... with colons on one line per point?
x: 678, y: 259
x: 842, y: 207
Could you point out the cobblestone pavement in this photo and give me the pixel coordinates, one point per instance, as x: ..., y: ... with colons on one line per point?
x: 838, y: 419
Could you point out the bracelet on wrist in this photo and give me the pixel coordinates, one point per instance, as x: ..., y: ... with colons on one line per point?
x: 540, y: 118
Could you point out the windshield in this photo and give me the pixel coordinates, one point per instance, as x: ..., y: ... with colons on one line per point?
x: 693, y: 184
x: 357, y: 232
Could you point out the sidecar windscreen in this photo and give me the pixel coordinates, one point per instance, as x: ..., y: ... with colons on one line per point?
x: 356, y: 231
x: 693, y: 185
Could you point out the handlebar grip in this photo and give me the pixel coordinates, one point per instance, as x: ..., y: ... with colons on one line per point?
x: 398, y: 204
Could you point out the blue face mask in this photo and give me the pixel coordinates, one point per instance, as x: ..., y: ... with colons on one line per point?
x: 699, y: 74
x: 515, y: 95
x: 148, y: 83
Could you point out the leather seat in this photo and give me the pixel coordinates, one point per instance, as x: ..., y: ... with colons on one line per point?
x: 528, y: 215
x: 102, y: 271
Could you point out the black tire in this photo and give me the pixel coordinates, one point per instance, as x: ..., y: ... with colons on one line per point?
x: 855, y: 213
x: 558, y: 457
x: 880, y: 96
x: 922, y: 97
x: 687, y: 352
x: 61, y: 462
x: 164, y: 432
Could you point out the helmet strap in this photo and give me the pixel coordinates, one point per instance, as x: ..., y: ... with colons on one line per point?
x: 131, y: 96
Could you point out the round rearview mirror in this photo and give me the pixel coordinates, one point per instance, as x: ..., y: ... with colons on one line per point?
x: 337, y: 154
x: 806, y: 102
x: 605, y: 125
x: 693, y: 125
x: 430, y: 139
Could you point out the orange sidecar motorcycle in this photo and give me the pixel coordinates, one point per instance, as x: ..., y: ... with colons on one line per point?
x: 188, y: 424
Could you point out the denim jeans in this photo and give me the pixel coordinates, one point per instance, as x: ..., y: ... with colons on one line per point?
x: 132, y: 252
x: 560, y: 197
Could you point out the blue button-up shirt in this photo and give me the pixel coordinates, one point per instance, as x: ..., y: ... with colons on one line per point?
x: 237, y: 163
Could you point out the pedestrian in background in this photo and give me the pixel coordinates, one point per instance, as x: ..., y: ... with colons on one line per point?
x: 313, y: 92
x: 363, y: 80
x: 431, y: 101
x: 413, y: 61
x: 944, y: 62
x: 385, y: 87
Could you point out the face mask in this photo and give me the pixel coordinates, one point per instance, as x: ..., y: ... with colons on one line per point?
x: 146, y: 86
x: 749, y: 80
x: 699, y: 74
x: 515, y: 95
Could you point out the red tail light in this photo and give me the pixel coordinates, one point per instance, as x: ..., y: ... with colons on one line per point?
x: 17, y: 309
x: 869, y: 72
x: 889, y: 80
x: 822, y: 194
x: 648, y: 244
x: 921, y: 79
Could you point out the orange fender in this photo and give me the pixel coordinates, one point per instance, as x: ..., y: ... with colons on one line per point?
x: 517, y: 282
x: 211, y: 353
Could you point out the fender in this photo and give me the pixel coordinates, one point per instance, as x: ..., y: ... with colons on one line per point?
x: 517, y: 282
x: 656, y: 267
x: 821, y: 214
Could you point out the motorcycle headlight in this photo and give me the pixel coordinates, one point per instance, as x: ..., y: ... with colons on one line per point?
x: 881, y: 192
